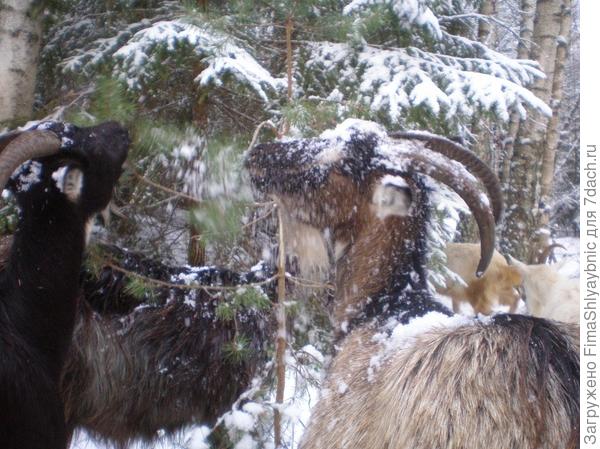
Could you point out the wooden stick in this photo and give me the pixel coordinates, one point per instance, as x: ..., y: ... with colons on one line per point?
x: 281, y: 335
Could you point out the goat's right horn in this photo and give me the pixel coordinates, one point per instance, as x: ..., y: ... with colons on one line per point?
x: 456, y: 177
x: 23, y: 147
x: 456, y: 152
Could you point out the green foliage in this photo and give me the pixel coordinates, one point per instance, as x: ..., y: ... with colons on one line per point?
x: 220, y: 219
x: 151, y: 138
x: 95, y: 260
x: 243, y: 299
x: 139, y: 289
x: 311, y: 116
x: 225, y: 311
x: 8, y: 218
x: 238, y: 350
x: 109, y: 101
x: 252, y: 297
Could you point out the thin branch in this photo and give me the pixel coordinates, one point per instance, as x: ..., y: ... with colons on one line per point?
x: 234, y: 111
x: 262, y: 217
x: 193, y: 286
x: 261, y: 125
x: 308, y: 283
x: 146, y: 181
x: 281, y: 342
x: 483, y: 17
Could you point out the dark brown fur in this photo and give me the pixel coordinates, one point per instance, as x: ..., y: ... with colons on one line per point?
x: 134, y: 370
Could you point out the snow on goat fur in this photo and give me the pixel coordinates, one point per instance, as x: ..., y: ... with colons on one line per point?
x: 548, y: 293
x: 435, y: 380
x: 440, y: 385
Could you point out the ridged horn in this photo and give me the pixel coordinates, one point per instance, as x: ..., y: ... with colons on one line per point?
x: 458, y: 179
x: 25, y: 146
x: 456, y: 152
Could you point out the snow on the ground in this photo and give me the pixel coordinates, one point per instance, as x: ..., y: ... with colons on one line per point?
x: 568, y: 261
x: 191, y: 438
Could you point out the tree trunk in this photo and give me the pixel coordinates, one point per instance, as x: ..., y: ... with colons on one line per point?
x: 487, y: 8
x: 552, y: 133
x: 20, y: 36
x: 526, y: 35
x: 196, y: 247
x: 526, y: 213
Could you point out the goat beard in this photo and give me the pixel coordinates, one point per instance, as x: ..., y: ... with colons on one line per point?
x: 306, y: 249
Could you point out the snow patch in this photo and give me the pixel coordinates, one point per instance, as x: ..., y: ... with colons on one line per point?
x: 29, y: 174
x: 240, y: 420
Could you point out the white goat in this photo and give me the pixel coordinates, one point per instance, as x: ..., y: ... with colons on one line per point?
x: 549, y: 294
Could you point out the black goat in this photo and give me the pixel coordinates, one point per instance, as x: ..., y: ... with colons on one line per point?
x: 66, y: 177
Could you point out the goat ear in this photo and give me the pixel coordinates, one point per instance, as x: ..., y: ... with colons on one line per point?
x: 391, y: 199
x: 69, y: 180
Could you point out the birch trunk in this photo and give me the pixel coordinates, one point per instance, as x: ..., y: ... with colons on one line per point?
x: 20, y: 36
x: 523, y: 47
x: 487, y: 8
x: 552, y: 134
x: 525, y: 210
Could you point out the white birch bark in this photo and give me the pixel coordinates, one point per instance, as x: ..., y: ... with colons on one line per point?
x: 552, y: 134
x: 526, y: 213
x: 20, y: 36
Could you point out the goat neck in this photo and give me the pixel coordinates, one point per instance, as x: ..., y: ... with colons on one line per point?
x: 381, y: 257
x: 44, y: 264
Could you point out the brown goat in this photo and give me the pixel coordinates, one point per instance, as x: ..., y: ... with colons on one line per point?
x: 498, y: 285
x: 408, y: 374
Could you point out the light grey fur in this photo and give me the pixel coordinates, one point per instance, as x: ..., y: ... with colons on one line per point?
x: 473, y: 387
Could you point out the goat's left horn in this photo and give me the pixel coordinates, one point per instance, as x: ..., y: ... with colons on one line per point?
x: 460, y: 154
x: 462, y: 182
x: 25, y: 146
x: 543, y: 257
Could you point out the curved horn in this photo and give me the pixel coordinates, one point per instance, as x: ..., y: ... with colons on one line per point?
x: 25, y: 146
x: 543, y: 256
x: 7, y: 138
x: 460, y: 180
x: 460, y: 154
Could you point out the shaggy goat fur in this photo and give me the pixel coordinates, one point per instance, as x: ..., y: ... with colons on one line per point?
x: 511, y: 382
x: 498, y: 285
x: 138, y: 367
x: 408, y: 374
x: 39, y: 286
